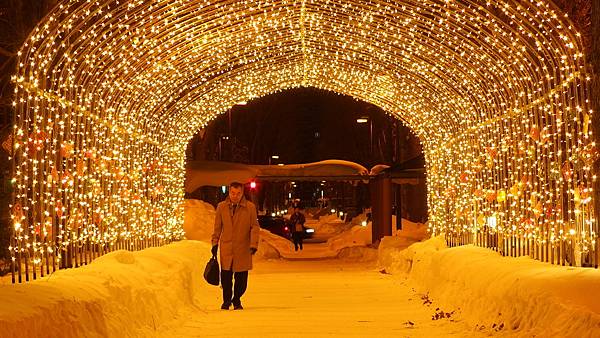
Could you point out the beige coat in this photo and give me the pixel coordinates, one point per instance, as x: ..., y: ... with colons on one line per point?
x: 236, y: 235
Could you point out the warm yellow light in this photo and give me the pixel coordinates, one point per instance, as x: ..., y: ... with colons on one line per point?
x: 492, y: 222
x: 108, y: 96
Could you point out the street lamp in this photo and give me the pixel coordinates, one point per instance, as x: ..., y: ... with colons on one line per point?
x: 365, y: 120
x: 221, y: 138
x: 274, y: 157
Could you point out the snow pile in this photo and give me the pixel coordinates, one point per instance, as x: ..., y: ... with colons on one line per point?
x: 358, y: 219
x: 358, y: 254
x: 358, y: 235
x: 391, y: 255
x: 120, y: 294
x: 411, y: 230
x: 328, y: 225
x: 396, y: 253
x: 270, y: 245
x: 520, y: 295
x: 218, y: 173
x: 353, y: 243
x: 199, y: 220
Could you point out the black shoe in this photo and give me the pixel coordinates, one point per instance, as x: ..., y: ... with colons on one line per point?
x: 225, y: 306
x: 238, y: 307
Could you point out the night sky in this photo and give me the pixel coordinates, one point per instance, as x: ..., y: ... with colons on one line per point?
x: 304, y: 125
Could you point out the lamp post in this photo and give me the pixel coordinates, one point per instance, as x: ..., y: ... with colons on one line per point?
x: 370, y: 120
x: 274, y: 157
x: 229, y: 132
x: 221, y: 138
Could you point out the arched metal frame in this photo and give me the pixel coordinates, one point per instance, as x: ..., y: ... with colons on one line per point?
x: 109, y: 92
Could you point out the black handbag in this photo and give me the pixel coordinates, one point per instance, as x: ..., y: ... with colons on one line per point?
x: 211, y: 272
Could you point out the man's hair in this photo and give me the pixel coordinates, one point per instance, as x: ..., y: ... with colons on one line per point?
x: 236, y: 185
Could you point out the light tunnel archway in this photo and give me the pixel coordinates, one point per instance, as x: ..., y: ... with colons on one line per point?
x: 109, y: 92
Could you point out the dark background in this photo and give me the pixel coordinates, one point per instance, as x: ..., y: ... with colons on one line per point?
x: 304, y: 125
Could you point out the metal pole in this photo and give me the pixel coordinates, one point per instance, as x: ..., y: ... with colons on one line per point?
x: 220, y: 146
x: 386, y: 206
x: 371, y: 136
x: 229, y: 122
x: 398, y: 194
x: 375, y: 203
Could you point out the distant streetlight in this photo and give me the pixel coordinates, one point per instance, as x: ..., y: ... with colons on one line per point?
x: 223, y: 137
x: 273, y: 157
x: 370, y: 120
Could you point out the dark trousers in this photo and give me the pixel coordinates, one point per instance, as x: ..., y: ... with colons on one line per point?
x: 241, y: 282
x: 297, y: 237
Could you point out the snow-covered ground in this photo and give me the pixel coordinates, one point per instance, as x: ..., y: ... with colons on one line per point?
x: 323, y: 298
x: 518, y: 296
x: 121, y: 294
x: 417, y: 290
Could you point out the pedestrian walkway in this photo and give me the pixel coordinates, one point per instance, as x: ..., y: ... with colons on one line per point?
x: 311, y: 251
x: 326, y: 298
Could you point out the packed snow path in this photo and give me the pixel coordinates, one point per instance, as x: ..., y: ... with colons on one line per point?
x: 316, y: 299
x: 311, y: 251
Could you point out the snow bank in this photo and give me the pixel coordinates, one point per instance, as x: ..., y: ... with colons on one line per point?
x: 328, y: 225
x: 358, y: 219
x: 391, y: 254
x: 358, y: 254
x: 358, y: 235
x: 121, y: 294
x: 270, y: 245
x: 397, y: 253
x: 411, y: 230
x: 199, y: 220
x: 522, y: 296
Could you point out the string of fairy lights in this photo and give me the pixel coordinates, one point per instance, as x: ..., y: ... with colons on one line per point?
x: 109, y: 92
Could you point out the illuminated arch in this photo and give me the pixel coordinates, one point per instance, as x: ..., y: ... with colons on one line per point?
x: 110, y: 91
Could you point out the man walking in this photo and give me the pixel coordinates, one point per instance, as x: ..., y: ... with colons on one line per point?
x: 297, y: 222
x: 236, y: 230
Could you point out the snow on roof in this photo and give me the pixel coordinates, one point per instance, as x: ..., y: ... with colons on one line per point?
x: 215, y: 173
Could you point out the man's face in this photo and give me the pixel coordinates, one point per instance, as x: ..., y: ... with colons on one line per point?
x: 235, y: 194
